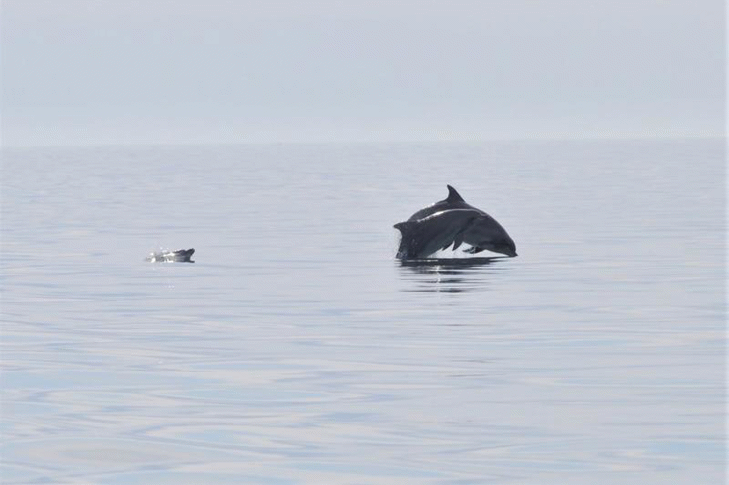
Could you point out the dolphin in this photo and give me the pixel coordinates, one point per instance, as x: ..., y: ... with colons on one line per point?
x: 179, y: 256
x: 483, y: 231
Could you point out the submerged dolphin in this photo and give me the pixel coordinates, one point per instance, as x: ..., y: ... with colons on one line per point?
x: 479, y: 230
x: 179, y: 256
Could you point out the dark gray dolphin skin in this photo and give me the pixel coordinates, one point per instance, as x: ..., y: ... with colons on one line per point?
x: 179, y: 256
x: 423, y: 237
x: 453, y: 201
x: 480, y: 230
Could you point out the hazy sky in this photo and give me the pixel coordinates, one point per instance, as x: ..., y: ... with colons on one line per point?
x: 207, y: 71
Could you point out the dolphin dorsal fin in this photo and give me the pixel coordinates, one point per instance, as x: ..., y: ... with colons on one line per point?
x: 453, y: 195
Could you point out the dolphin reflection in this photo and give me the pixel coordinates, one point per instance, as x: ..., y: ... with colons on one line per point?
x: 448, y: 275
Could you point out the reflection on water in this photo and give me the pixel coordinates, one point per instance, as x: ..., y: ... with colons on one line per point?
x: 448, y: 275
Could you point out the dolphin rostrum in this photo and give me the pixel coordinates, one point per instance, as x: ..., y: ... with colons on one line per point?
x: 477, y: 229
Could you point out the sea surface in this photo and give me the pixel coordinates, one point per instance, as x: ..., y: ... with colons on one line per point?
x: 298, y: 350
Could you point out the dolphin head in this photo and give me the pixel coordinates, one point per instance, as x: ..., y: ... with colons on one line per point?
x: 502, y: 246
x: 488, y: 234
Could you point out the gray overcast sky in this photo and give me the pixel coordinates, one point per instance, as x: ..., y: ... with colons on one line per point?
x: 208, y: 71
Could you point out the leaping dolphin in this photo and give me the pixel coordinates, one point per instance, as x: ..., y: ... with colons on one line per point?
x: 437, y: 227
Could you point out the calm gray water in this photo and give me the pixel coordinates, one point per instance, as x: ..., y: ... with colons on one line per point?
x: 297, y: 350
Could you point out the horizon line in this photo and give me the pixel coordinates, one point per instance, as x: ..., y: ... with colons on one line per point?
x: 434, y: 141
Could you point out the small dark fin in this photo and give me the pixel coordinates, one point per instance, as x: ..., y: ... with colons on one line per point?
x: 458, y: 240
x: 453, y: 195
x: 183, y: 255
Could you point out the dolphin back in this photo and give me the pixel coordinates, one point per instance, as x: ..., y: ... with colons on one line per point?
x: 453, y: 201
